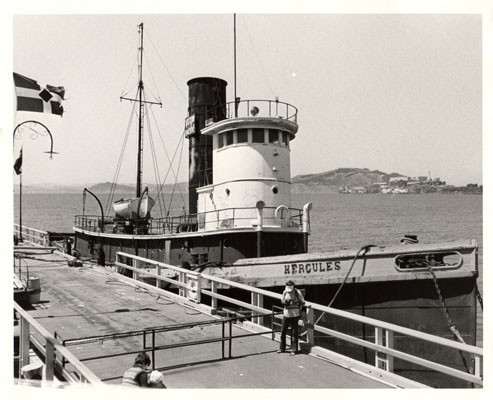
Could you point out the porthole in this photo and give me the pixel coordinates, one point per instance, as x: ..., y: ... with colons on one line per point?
x: 275, y: 190
x: 228, y: 192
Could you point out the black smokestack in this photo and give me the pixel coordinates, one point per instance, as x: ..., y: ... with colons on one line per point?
x: 207, y: 102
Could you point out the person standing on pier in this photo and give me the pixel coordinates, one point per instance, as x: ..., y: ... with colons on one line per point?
x: 137, y: 374
x: 293, y: 300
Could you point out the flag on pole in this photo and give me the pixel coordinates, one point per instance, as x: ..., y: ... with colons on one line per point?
x: 36, y: 97
x: 18, y: 164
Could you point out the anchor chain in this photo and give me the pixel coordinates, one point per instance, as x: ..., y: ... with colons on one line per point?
x: 451, y: 323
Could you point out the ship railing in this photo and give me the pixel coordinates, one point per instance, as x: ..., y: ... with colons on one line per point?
x: 92, y: 223
x: 203, y: 289
x: 50, y: 351
x: 227, y: 218
x: 251, y: 108
x: 32, y: 235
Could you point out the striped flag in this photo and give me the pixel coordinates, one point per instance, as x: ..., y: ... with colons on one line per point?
x: 33, y: 96
x: 18, y: 164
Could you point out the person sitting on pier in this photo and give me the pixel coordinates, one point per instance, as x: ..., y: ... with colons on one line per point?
x: 293, y: 300
x: 137, y: 374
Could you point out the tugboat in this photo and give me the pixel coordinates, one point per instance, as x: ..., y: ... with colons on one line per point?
x: 241, y: 226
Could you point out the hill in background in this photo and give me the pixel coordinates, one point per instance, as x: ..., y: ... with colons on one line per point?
x: 331, y: 181
x: 97, y: 188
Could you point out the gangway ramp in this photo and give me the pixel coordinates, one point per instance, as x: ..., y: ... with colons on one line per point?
x: 93, y: 301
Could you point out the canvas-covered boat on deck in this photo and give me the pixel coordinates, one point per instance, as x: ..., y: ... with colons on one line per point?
x: 134, y: 208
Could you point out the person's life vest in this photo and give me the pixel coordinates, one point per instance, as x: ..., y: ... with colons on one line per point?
x: 130, y: 376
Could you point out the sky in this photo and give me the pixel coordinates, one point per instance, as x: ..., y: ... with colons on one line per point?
x: 393, y: 92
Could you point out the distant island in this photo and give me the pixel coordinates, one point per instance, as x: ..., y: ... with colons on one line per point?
x: 340, y: 180
x: 364, y: 181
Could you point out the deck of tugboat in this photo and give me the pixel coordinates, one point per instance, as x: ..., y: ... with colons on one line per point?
x: 79, y: 302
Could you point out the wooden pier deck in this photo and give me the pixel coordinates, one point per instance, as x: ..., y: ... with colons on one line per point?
x: 78, y: 302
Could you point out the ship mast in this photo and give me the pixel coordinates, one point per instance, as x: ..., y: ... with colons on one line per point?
x: 234, y: 40
x: 140, y: 99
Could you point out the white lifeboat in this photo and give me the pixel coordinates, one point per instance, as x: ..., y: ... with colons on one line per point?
x: 134, y: 208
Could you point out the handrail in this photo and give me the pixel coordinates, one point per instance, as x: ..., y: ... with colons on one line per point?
x: 32, y: 234
x: 52, y: 348
x: 31, y: 229
x: 243, y: 108
x: 257, y: 306
x: 190, y: 222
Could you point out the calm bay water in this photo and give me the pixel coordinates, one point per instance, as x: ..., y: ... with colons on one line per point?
x: 337, y: 220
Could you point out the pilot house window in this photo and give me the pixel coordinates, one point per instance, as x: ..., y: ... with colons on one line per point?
x: 285, y: 138
x: 242, y: 136
x: 273, y: 136
x: 257, y: 135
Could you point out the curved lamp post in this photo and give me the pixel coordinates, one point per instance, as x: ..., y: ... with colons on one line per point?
x: 100, y: 206
x: 34, y: 134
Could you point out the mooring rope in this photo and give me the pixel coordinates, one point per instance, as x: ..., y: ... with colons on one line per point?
x: 451, y: 324
x: 365, y: 249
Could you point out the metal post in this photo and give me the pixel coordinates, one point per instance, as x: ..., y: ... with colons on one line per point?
x: 214, y: 299
x: 24, y: 343
x: 389, y: 339
x: 222, y: 342
x: 306, y: 225
x: 230, y: 336
x: 384, y: 337
x: 153, y: 349
x: 478, y: 371
x: 199, y: 288
x: 273, y: 323
x: 134, y: 264
x: 254, y: 301
x: 49, y: 361
x: 20, y: 207
x: 310, y: 333
x: 260, y: 303
x: 158, y: 273
x: 260, y: 206
x: 234, y: 40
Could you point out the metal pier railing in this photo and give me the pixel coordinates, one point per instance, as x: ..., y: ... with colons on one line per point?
x: 193, y: 286
x: 50, y: 351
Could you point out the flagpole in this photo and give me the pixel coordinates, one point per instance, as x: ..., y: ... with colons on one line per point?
x: 20, y: 207
x: 18, y: 163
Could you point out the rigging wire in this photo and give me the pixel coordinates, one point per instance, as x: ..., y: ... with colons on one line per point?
x: 258, y: 58
x: 176, y: 180
x: 157, y: 176
x: 157, y: 98
x: 119, y: 164
x: 165, y: 67
x: 130, y: 74
x: 170, y: 161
